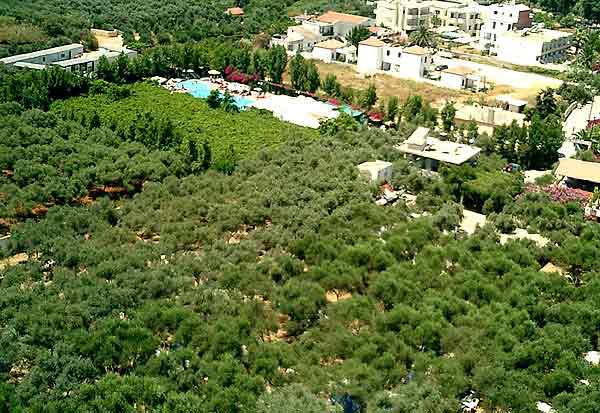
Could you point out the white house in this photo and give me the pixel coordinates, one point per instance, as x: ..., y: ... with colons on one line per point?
x: 414, y: 60
x: 458, y: 15
x: 328, y: 50
x: 402, y: 15
x: 375, y: 54
x: 533, y: 46
x: 343, y: 23
x: 377, y: 171
x: 370, y: 55
x: 459, y: 78
x: 502, y: 18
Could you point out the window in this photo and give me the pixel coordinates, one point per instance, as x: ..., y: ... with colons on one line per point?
x: 387, y: 53
x: 493, y: 25
x: 399, y: 54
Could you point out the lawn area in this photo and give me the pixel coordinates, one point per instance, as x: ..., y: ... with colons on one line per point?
x: 246, y: 131
x: 388, y: 86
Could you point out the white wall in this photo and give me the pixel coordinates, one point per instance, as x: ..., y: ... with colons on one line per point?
x: 530, y: 51
x: 413, y: 65
x: 325, y: 55
x: 452, y: 81
x: 369, y: 58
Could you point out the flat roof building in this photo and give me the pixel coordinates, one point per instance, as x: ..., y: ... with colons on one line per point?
x: 431, y: 152
x: 533, y: 46
x: 70, y: 57
x: 377, y: 171
x: 487, y: 118
x: 579, y: 174
x: 46, y: 56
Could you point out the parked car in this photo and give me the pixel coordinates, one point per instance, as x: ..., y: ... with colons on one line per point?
x: 439, y: 68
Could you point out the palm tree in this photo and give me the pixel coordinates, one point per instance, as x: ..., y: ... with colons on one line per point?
x: 423, y: 37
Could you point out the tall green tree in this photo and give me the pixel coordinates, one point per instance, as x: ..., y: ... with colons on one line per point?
x: 276, y: 62
x: 358, y: 34
x: 423, y: 37
x: 448, y: 114
x: 369, y: 97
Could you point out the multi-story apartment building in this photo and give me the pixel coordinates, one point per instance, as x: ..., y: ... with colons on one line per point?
x: 460, y: 15
x: 402, y: 15
x: 502, y: 18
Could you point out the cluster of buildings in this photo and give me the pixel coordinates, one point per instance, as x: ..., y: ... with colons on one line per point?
x: 506, y: 30
x: 71, y: 57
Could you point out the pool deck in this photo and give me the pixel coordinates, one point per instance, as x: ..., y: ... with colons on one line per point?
x: 301, y: 110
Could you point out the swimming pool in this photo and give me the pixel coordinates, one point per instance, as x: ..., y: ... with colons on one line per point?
x: 201, y: 89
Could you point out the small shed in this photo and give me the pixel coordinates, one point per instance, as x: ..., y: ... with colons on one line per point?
x: 377, y: 171
x: 510, y: 103
x: 459, y: 78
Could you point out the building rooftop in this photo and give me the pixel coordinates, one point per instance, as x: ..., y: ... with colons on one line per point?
x: 377, y: 164
x: 459, y: 71
x: 420, y: 144
x: 334, y: 17
x: 511, y: 100
x: 538, y: 35
x: 304, y: 32
x: 26, y: 65
x: 235, y: 11
x: 331, y: 44
x: 416, y: 50
x: 580, y: 170
x: 89, y: 57
x: 488, y: 115
x: 372, y: 41
x: 40, y: 53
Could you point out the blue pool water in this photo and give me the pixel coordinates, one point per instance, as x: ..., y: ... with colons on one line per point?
x: 201, y: 89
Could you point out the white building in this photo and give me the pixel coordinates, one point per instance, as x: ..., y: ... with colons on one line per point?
x: 313, y: 30
x: 343, y: 23
x: 460, y: 78
x: 402, y: 15
x: 70, y: 57
x: 414, y: 61
x: 458, y: 15
x: 501, y: 18
x: 430, y: 152
x: 370, y: 55
x: 47, y: 56
x: 377, y: 171
x: 375, y: 54
x: 533, y: 46
x: 328, y: 50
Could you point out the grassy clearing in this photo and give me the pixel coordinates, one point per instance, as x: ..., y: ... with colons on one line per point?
x: 388, y: 86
